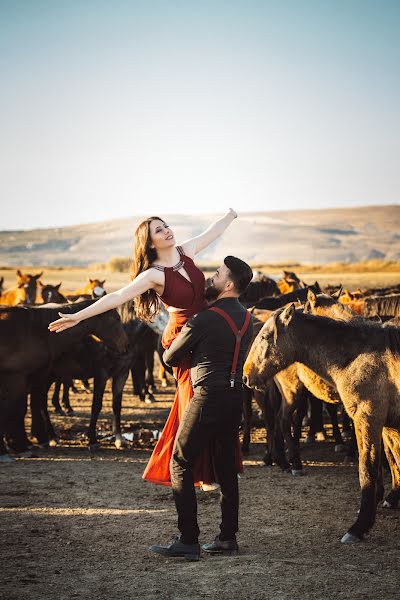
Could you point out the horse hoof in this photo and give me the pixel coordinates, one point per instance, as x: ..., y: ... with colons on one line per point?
x: 297, y: 472
x: 350, y: 538
x: 26, y: 454
x: 60, y: 412
x: 320, y: 436
x: 309, y: 440
x: 93, y: 447
x: 6, y: 458
x: 149, y: 399
x: 348, y: 459
x: 120, y: 443
x: 70, y: 412
x: 164, y: 384
x: 53, y: 443
x: 386, y: 504
x: 340, y: 448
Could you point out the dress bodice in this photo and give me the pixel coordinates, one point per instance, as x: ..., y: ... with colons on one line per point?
x: 179, y: 292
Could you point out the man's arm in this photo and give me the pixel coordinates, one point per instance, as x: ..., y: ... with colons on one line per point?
x: 190, y: 335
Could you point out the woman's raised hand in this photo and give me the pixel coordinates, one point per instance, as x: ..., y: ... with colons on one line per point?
x: 65, y: 322
x: 233, y: 213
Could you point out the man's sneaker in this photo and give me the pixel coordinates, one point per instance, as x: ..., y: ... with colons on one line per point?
x: 226, y: 547
x: 178, y: 548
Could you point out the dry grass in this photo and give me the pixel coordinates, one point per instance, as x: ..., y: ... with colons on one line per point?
x: 351, y: 276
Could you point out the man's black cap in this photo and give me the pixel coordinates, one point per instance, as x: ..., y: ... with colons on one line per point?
x: 241, y: 272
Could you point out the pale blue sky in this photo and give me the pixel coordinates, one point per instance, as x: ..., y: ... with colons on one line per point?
x: 109, y: 109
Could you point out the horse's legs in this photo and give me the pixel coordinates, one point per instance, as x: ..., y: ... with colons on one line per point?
x: 391, y: 443
x: 275, y: 443
x: 247, y: 414
x: 150, y: 370
x: 333, y: 413
x: 369, y: 434
x: 316, y: 419
x: 42, y: 427
x: 118, y: 383
x: 290, y: 401
x: 298, y: 418
x: 13, y: 404
x: 99, y: 385
x: 67, y: 384
x: 56, y: 397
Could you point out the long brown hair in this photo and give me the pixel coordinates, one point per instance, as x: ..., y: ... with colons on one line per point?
x: 147, y: 304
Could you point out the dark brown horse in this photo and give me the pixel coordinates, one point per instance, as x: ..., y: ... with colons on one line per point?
x: 27, y: 351
x: 51, y: 293
x: 356, y: 359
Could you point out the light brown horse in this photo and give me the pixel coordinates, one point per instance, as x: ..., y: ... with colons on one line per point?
x: 24, y: 292
x: 289, y: 283
x: 93, y: 289
x: 357, y: 359
x: 328, y: 306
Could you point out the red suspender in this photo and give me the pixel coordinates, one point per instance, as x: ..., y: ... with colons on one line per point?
x: 238, y: 333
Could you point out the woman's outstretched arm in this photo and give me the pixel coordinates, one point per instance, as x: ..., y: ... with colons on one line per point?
x: 212, y: 233
x: 143, y: 282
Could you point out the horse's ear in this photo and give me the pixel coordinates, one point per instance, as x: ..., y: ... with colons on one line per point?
x: 102, y: 282
x: 317, y: 288
x: 312, y: 298
x: 38, y: 275
x: 287, y: 315
x: 91, y: 280
x: 336, y: 295
x: 58, y: 286
x: 19, y: 273
x: 40, y: 283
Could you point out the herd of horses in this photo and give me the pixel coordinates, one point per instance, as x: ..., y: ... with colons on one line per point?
x: 340, y: 348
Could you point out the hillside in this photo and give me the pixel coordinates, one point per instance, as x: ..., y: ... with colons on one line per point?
x: 306, y: 236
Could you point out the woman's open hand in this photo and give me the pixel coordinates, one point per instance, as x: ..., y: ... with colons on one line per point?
x: 65, y: 322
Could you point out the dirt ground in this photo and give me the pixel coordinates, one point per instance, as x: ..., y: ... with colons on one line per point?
x: 76, y: 524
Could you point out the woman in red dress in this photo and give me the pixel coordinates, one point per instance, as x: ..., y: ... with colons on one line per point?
x: 162, y: 271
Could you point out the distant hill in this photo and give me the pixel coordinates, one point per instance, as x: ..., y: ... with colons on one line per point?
x: 306, y: 236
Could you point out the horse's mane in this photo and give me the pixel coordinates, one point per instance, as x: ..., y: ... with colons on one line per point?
x: 372, y: 333
x: 385, y: 306
x: 388, y: 337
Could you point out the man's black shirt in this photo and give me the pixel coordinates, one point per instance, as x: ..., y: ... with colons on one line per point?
x: 211, y: 343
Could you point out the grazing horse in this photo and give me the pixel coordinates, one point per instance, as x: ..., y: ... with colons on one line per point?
x: 24, y: 292
x: 357, y: 359
x: 27, y: 351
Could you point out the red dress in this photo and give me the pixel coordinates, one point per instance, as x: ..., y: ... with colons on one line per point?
x: 188, y: 296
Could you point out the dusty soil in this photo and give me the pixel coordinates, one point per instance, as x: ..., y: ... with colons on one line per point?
x: 76, y: 524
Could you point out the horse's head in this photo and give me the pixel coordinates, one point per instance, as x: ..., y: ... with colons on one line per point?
x: 27, y: 284
x: 324, y: 305
x: 95, y: 288
x: 271, y: 351
x: 51, y: 293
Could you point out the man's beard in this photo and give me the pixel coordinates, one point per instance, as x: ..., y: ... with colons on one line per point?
x: 211, y: 293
